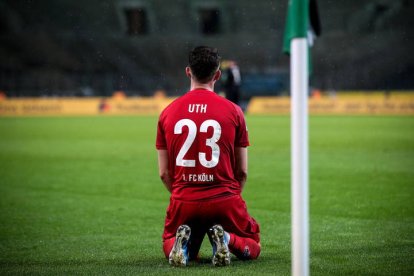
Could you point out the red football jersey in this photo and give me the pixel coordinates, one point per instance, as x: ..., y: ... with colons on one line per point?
x: 200, y: 131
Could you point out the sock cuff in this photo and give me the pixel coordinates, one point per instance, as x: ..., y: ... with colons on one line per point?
x: 232, y: 239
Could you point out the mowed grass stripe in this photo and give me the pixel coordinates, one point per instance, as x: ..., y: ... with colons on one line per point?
x: 82, y: 195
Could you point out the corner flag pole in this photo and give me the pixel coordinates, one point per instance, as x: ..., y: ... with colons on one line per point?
x: 295, y: 43
x: 299, y: 157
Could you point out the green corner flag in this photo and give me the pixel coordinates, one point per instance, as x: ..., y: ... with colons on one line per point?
x: 297, y: 22
x: 302, y: 21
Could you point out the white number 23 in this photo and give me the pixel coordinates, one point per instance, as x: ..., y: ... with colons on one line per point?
x: 192, y: 132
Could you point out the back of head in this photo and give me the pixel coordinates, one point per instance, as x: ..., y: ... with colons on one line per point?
x: 204, y: 62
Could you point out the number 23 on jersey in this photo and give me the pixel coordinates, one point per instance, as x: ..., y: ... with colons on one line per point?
x: 192, y: 133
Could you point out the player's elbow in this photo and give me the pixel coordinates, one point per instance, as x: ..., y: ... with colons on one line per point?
x: 164, y: 176
x: 166, y: 179
x: 241, y: 176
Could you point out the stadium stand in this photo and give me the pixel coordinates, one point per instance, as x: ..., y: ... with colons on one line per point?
x: 92, y: 48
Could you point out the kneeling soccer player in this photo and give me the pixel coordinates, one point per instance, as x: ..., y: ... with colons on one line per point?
x: 202, y: 144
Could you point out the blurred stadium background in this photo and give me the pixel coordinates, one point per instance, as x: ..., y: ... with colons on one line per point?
x: 93, y: 48
x: 81, y: 194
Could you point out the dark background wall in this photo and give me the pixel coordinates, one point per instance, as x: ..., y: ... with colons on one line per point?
x: 95, y: 47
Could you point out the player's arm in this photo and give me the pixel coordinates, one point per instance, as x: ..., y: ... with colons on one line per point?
x: 241, y: 165
x: 163, y: 169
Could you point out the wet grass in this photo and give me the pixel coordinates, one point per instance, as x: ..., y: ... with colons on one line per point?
x: 81, y: 195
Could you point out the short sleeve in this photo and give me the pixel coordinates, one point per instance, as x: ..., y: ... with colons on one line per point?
x: 160, y: 142
x: 242, y: 136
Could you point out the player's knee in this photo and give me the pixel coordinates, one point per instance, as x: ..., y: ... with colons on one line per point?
x: 254, y: 253
x: 167, y: 245
x: 250, y: 252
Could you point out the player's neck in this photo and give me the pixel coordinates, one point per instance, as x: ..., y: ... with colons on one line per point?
x: 208, y: 86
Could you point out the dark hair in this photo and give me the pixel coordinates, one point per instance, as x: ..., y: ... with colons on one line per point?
x: 204, y: 62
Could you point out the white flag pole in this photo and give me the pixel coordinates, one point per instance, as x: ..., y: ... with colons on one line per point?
x: 299, y: 156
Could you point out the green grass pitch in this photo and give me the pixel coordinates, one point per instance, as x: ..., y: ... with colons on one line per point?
x: 81, y: 195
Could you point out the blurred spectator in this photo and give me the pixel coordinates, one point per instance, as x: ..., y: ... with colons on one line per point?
x: 103, y: 106
x: 231, y: 80
x: 160, y: 94
x: 2, y: 95
x: 316, y: 93
x: 119, y: 95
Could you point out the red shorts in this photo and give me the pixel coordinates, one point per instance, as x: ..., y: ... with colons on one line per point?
x: 230, y: 212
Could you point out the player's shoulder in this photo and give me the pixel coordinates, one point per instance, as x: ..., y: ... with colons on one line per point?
x: 172, y: 105
x: 219, y: 98
x: 227, y: 105
x: 234, y: 107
